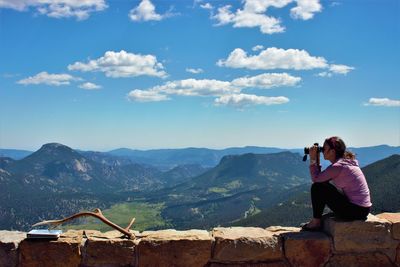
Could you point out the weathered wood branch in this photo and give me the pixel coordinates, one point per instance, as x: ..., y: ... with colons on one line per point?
x: 97, y: 214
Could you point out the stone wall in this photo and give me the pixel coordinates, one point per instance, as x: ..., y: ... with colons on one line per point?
x: 375, y: 242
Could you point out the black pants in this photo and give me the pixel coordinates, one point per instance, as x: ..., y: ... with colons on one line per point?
x: 326, y: 194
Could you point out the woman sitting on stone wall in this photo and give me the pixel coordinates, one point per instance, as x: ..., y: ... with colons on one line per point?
x: 341, y: 186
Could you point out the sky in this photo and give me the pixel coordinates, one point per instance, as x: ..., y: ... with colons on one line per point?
x: 100, y: 75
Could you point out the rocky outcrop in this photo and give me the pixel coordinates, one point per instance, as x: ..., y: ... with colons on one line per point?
x: 374, y: 242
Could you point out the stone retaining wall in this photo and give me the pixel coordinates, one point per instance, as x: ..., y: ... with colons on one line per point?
x: 375, y: 242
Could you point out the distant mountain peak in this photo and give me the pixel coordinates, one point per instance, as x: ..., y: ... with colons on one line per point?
x: 54, y: 146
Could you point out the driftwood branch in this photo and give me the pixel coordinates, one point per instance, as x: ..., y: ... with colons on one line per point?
x: 97, y: 214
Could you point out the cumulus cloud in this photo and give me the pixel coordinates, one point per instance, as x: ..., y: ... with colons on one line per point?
x: 49, y: 79
x: 257, y: 48
x: 273, y: 58
x: 242, y: 100
x: 206, y: 6
x: 122, y: 64
x: 386, y: 102
x: 216, y: 88
x: 57, y: 9
x: 266, y: 80
x: 89, y: 86
x: 146, y: 11
x: 336, y: 69
x: 278, y: 58
x: 340, y: 69
x: 253, y: 14
x: 305, y: 9
x: 146, y: 96
x: 194, y: 71
x: 194, y: 87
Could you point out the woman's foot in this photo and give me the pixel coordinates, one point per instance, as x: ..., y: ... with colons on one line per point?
x: 313, y: 225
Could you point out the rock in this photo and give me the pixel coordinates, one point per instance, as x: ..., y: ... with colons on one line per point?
x: 307, y: 248
x: 262, y: 264
x: 371, y: 259
x: 360, y: 236
x: 394, y: 218
x: 108, y: 249
x: 240, y: 244
x: 64, y: 251
x: 174, y: 248
x: 9, y: 241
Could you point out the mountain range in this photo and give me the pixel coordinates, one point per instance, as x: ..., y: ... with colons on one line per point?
x: 383, y: 181
x: 242, y: 189
x: 165, y: 159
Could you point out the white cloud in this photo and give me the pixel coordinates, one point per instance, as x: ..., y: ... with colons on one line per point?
x: 89, y: 86
x: 336, y: 69
x: 49, y: 79
x: 340, y: 69
x: 247, y: 19
x: 267, y: 80
x: 59, y: 8
x: 206, y: 6
x: 217, y: 88
x: 278, y: 58
x: 193, y: 87
x: 122, y: 64
x: 146, y: 11
x: 305, y: 9
x: 257, y: 48
x: 194, y: 71
x: 253, y: 14
x: 386, y: 102
x: 242, y: 100
x: 273, y: 58
x: 146, y: 96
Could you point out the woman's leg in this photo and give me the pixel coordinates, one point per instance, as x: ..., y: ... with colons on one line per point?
x: 326, y: 194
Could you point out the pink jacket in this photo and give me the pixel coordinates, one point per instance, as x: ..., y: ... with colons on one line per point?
x: 347, y: 176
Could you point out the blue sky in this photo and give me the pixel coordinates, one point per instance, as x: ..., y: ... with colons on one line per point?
x: 100, y: 74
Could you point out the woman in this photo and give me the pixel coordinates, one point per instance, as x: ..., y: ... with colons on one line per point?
x: 341, y: 186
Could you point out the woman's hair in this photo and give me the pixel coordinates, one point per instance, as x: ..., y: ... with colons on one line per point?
x: 339, y: 146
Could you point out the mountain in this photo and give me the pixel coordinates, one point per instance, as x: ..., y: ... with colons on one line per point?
x: 106, y: 158
x: 368, y: 155
x: 181, y: 174
x: 169, y: 158
x: 14, y: 153
x: 58, y: 168
x: 383, y: 181
x: 237, y: 187
x: 57, y: 180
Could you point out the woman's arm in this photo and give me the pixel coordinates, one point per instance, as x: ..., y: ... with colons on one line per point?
x: 329, y: 173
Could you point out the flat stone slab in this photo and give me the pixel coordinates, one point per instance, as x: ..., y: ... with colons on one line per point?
x: 9, y: 241
x: 241, y: 244
x: 307, y: 249
x: 108, y: 249
x: 63, y: 252
x: 257, y: 264
x: 394, y: 218
x: 360, y: 236
x: 174, y: 248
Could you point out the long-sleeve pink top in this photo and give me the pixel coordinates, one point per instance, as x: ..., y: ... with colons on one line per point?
x: 347, y: 176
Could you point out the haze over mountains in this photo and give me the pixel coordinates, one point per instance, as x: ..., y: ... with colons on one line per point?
x: 243, y: 188
x: 168, y: 158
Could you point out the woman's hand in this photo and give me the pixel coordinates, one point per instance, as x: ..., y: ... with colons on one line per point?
x: 314, y: 153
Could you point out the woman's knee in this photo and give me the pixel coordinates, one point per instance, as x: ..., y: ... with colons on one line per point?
x: 317, y: 187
